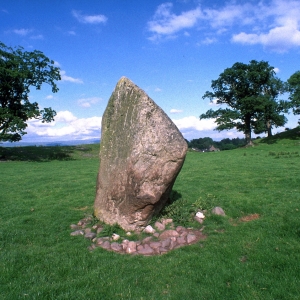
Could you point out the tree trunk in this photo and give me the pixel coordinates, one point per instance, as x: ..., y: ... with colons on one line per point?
x: 248, y: 132
x: 269, y: 128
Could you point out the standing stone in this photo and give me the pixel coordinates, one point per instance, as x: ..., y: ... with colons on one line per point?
x: 141, y: 154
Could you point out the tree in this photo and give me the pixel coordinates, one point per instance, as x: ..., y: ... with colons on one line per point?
x: 250, y: 92
x: 271, y: 116
x: 20, y: 70
x: 201, y: 143
x: 294, y: 89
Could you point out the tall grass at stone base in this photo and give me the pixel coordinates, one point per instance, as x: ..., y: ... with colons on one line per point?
x: 42, y: 194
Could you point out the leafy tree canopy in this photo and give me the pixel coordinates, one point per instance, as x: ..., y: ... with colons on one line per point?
x: 294, y: 89
x: 201, y: 143
x: 250, y: 93
x: 225, y: 144
x: 20, y: 70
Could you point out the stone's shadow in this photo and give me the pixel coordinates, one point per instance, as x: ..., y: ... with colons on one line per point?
x: 174, y: 196
x: 36, y: 154
x: 170, y: 208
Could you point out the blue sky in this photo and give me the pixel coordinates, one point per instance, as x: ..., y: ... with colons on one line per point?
x: 172, y: 50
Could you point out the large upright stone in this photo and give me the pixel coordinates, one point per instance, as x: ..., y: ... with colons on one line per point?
x: 141, y: 154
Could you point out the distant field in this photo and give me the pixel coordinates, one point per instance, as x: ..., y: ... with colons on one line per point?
x: 252, y: 253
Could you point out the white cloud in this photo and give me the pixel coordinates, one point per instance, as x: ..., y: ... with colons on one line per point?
x: 195, y: 123
x: 22, y: 31
x: 274, y: 24
x: 157, y: 89
x: 88, y: 102
x: 279, y: 39
x: 71, y: 32
x: 208, y: 41
x: 276, y: 70
x: 165, y: 23
x: 64, y: 77
x: 57, y: 64
x: 281, y: 33
x: 213, y: 102
x: 50, y: 97
x: 229, y: 15
x: 176, y: 111
x: 89, y: 19
x: 65, y: 117
x: 66, y: 127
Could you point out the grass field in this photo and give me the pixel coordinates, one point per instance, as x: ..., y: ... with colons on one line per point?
x: 45, y: 189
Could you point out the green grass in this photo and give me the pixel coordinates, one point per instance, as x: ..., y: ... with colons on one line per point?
x: 45, y: 189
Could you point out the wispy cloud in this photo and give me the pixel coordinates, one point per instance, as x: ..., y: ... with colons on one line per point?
x: 31, y: 33
x: 37, y: 37
x: 176, y: 111
x: 57, y: 64
x: 89, y: 19
x: 65, y: 77
x: 208, y: 41
x: 88, y: 102
x: 22, y: 31
x: 274, y: 24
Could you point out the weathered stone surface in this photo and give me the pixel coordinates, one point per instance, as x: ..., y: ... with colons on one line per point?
x: 149, y: 229
x: 218, y: 211
x: 141, y: 154
x: 200, y: 215
x: 105, y: 245
x: 166, y: 243
x: 168, y: 233
x: 90, y: 235
x: 181, y: 240
x: 180, y: 229
x: 162, y: 250
x: 88, y: 230
x: 131, y: 247
x: 74, y: 226
x: 146, y: 250
x: 77, y: 232
x: 159, y: 226
x: 115, y: 237
x: 116, y: 247
x: 198, y: 220
x: 124, y: 244
x: 168, y: 240
x: 191, y: 238
x: 155, y: 245
x: 166, y: 221
x: 147, y: 240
